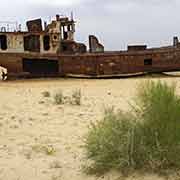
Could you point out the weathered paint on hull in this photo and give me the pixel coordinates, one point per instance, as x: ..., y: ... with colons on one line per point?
x: 94, y: 64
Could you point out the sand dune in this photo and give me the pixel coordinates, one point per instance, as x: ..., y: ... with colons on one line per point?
x: 43, y: 141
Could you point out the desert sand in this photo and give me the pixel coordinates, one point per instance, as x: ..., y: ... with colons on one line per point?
x: 44, y: 141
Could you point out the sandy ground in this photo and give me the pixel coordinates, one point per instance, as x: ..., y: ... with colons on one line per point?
x: 44, y: 141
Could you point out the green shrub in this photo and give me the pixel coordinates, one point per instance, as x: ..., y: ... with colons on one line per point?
x: 159, y: 127
x: 59, y: 98
x: 108, y: 142
x: 148, y: 138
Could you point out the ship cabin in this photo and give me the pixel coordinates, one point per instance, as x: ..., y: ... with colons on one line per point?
x: 54, y: 38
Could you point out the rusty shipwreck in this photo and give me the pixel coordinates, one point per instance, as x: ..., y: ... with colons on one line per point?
x: 50, y: 50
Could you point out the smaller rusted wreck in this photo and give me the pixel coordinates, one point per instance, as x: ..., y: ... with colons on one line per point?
x: 50, y: 50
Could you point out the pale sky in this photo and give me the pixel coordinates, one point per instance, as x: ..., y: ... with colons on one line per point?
x: 116, y: 23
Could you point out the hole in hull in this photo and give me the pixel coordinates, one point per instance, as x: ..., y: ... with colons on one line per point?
x: 41, y: 67
x: 148, y: 62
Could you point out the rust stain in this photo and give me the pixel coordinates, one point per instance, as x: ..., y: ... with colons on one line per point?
x: 51, y: 50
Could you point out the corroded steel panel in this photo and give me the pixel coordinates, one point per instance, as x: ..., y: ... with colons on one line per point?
x: 34, y: 25
x: 53, y: 50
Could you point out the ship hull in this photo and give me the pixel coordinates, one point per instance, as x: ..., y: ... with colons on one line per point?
x: 92, y: 65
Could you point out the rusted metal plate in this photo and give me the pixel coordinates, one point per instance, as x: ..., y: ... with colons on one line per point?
x: 53, y: 51
x: 95, y: 65
x: 34, y: 25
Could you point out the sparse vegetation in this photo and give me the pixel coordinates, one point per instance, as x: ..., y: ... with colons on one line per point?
x: 46, y: 94
x: 59, y: 98
x: 27, y: 154
x: 55, y: 165
x: 49, y: 150
x: 44, y: 148
x: 76, y: 97
x: 41, y: 102
x: 57, y: 177
x: 146, y: 138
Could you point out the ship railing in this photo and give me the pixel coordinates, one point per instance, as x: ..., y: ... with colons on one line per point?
x: 9, y: 26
